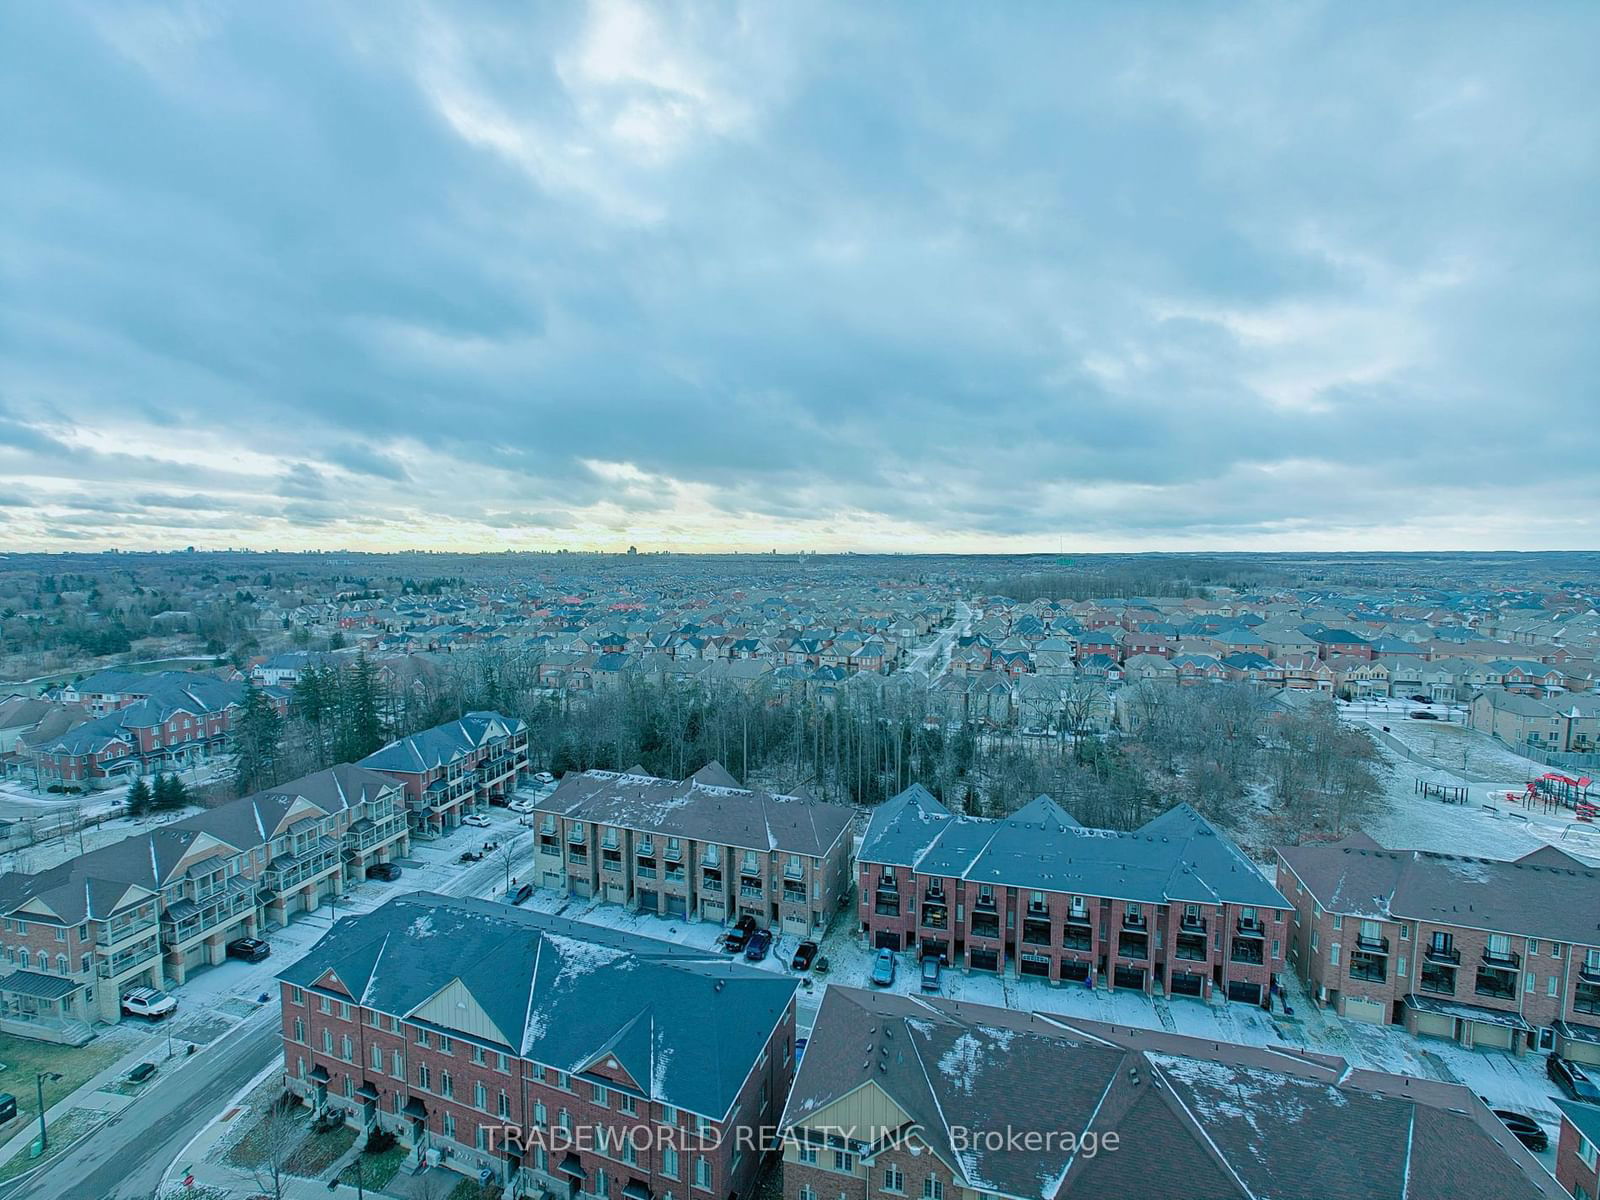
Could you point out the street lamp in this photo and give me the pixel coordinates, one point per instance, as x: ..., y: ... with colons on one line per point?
x: 39, y: 1078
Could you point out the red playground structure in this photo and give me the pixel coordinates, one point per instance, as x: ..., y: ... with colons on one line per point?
x: 1554, y: 790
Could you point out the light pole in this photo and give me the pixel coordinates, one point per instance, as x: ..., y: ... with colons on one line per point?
x: 39, y: 1078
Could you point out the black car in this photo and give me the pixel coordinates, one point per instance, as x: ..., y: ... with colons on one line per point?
x: 1524, y: 1128
x: 756, y: 948
x: 1424, y: 715
x: 1572, y: 1079
x: 249, y: 949
x: 519, y: 894
x: 471, y: 856
x: 386, y: 871
x: 734, y: 940
x: 804, y: 954
x: 141, y: 1072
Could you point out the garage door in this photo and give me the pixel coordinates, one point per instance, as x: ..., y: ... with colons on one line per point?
x: 1587, y: 1053
x: 1492, y: 1037
x: 886, y: 940
x: 1433, y: 1025
x: 1373, y: 1012
x: 676, y: 906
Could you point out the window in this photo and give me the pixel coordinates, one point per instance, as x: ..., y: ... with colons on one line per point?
x: 346, y: 1047
x: 669, y: 1162
x: 600, y: 1095
x: 377, y: 1058
x: 627, y: 1104
x: 1551, y: 989
x: 478, y: 1056
x: 296, y: 996
x: 448, y: 1125
x: 504, y: 1108
x: 447, y: 1085
x: 702, y: 1173
x: 480, y: 1096
x: 61, y: 933
x: 502, y: 1063
x: 444, y: 1045
x: 397, y: 1065
x: 806, y: 1192
x: 323, y: 1004
x: 843, y: 1160
x: 894, y: 1179
x: 1333, y: 955
x: 1533, y: 945
x: 299, y: 1030
x: 932, y: 1188
x: 424, y: 1080
x: 602, y: 1182
x: 1586, y: 1152
x: 327, y: 1041
x: 540, y: 1113
x: 422, y: 1037
x: 1338, y: 921
x: 669, y: 1115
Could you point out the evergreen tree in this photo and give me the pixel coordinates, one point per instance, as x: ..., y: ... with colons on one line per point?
x: 256, y: 738
x: 169, y: 793
x: 360, y: 712
x: 139, y: 798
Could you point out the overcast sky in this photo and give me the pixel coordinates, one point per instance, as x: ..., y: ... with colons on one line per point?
x: 881, y: 276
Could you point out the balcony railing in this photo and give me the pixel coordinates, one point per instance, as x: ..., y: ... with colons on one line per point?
x: 1134, y: 921
x: 1439, y: 980
x: 175, y: 930
x: 1589, y: 972
x: 984, y: 902
x: 1077, y: 938
x: 985, y: 926
x: 1502, y: 960
x: 1133, y: 947
x: 1372, y: 945
x: 1078, y: 916
x: 124, y: 960
x: 1500, y: 985
x: 794, y: 895
x: 288, y: 871
x: 1373, y: 972
x: 935, y: 917
x: 644, y: 872
x: 1247, y: 950
x: 1251, y: 927
x: 373, y: 833
x: 1443, y: 954
x: 794, y: 870
x: 1188, y: 924
x: 120, y: 929
x: 750, y: 891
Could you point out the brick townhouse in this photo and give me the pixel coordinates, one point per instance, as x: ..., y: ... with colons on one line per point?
x: 702, y: 848
x: 1567, y: 725
x: 1485, y: 951
x: 159, y: 722
x: 564, y: 1058
x: 455, y: 768
x: 924, y: 1098
x: 1578, y: 1149
x: 1172, y: 906
x: 151, y: 908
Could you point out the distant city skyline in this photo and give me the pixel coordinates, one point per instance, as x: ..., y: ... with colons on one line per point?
x: 724, y: 277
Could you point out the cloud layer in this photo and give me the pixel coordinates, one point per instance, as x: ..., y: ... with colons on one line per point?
x: 873, y: 277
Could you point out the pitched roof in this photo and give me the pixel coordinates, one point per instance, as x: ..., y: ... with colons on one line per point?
x: 1194, y: 1118
x: 1178, y: 856
x: 562, y: 993
x: 701, y: 807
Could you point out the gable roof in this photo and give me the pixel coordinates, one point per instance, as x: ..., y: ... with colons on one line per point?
x: 563, y: 993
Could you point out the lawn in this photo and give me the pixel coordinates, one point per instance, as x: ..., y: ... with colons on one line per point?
x: 378, y: 1169
x: 22, y: 1059
x: 258, y: 1144
x: 63, y: 1132
x: 471, y: 1189
x: 319, y: 1151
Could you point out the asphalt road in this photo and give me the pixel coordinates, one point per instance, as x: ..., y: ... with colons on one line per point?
x: 125, y: 1158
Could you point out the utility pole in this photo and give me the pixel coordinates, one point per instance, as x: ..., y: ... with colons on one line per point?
x: 39, y: 1078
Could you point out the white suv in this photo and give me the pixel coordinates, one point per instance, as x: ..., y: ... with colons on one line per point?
x: 148, y: 1002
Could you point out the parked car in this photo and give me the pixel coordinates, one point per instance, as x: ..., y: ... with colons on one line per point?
x: 756, y: 948
x: 1423, y: 714
x: 522, y: 806
x: 804, y: 953
x: 883, y: 968
x: 1421, y: 700
x: 1523, y: 1127
x: 544, y: 777
x: 471, y: 856
x: 520, y: 894
x: 387, y: 871
x: 734, y: 940
x: 141, y: 1072
x: 1572, y: 1079
x: 930, y: 973
x: 148, y: 1002
x: 478, y: 819
x: 8, y: 1106
x: 250, y: 949
x: 821, y: 966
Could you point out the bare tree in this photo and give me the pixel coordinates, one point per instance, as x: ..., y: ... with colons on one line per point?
x: 275, y: 1138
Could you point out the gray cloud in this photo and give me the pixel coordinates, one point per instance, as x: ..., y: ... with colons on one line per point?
x: 1282, y: 273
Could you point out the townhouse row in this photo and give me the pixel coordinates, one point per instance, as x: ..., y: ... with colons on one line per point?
x: 150, y: 909
x: 1491, y: 953
x: 1171, y: 907
x: 702, y: 848
x: 560, y: 1058
x: 456, y: 768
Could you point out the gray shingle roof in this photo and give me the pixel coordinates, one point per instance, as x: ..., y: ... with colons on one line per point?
x: 1177, y: 857
x: 686, y: 1024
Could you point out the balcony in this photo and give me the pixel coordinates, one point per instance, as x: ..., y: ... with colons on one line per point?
x: 1188, y: 924
x: 1438, y: 979
x: 1372, y: 945
x: 578, y: 857
x: 185, y: 919
x: 121, y: 929
x: 644, y: 872
x: 1250, y: 927
x: 128, y: 959
x: 794, y: 895
x: 985, y: 925
x: 289, y: 871
x: 1036, y: 932
x: 1496, y: 983
x: 675, y: 874
x: 1247, y: 950
x: 935, y: 916
x: 611, y: 863
x: 711, y: 881
x: 1077, y: 937
x: 1444, y: 955
x: 794, y: 870
x: 366, y: 833
x: 984, y: 903
x: 1135, y: 946
x: 1502, y: 960
x: 1134, y: 921
x: 1589, y: 972
x: 751, y: 891
x: 1586, y: 999
x: 1191, y: 947
x: 1078, y: 916
x: 1372, y: 968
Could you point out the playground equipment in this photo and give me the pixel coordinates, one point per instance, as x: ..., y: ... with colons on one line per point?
x: 1554, y: 788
